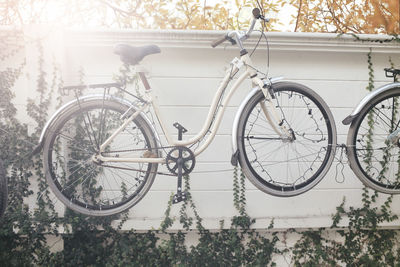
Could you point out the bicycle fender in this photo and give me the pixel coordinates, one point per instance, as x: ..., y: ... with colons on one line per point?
x: 235, y: 150
x: 367, y: 99
x: 99, y: 97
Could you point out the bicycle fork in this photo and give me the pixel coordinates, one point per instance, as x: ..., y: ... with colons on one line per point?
x: 269, y: 110
x: 271, y: 113
x: 275, y: 122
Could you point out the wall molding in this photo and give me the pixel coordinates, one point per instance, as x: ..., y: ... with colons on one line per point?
x: 284, y: 41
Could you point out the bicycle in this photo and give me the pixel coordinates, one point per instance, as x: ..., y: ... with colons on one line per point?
x: 101, y: 151
x: 373, y: 139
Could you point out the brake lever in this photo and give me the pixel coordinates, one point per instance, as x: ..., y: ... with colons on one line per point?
x: 265, y: 19
x: 231, y: 40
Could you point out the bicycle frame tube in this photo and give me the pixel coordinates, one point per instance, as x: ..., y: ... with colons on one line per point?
x: 213, y: 119
x: 212, y: 113
x: 122, y: 127
x: 114, y: 134
x: 209, y: 125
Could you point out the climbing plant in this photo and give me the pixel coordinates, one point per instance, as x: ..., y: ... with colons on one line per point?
x: 357, y: 239
x: 354, y: 238
x: 22, y: 232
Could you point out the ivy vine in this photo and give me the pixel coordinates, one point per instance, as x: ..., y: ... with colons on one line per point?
x: 361, y: 242
x: 96, y: 241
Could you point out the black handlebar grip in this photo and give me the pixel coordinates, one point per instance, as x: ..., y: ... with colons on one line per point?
x: 256, y: 13
x: 219, y: 41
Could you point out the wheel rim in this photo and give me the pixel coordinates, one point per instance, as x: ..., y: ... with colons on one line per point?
x: 92, y: 185
x: 376, y: 143
x: 288, y: 164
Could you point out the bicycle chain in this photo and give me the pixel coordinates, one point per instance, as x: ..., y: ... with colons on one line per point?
x: 138, y: 170
x: 133, y: 169
x: 139, y: 149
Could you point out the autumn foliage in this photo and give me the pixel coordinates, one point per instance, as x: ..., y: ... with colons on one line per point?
x: 344, y: 16
x: 339, y: 16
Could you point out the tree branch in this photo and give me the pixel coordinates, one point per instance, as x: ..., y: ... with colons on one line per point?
x: 298, y: 15
x: 121, y: 11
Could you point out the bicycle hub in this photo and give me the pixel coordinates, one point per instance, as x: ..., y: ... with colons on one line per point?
x: 394, y: 137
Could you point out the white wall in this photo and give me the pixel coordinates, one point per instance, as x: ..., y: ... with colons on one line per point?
x: 185, y: 76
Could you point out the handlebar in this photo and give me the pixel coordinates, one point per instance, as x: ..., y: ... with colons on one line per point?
x: 236, y: 37
x: 219, y: 41
x: 222, y: 39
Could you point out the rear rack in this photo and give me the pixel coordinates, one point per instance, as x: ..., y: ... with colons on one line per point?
x: 105, y: 86
x: 91, y: 86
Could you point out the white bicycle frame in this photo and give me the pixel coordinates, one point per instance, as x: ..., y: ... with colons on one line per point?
x: 214, y: 116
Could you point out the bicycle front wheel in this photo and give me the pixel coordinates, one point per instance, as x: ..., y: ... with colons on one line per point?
x: 78, y: 179
x: 291, y: 162
x: 373, y: 143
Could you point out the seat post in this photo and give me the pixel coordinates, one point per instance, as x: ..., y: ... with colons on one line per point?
x: 144, y: 80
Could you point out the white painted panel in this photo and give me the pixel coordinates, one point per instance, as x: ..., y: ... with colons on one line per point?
x: 219, y: 176
x: 185, y: 77
x: 295, y: 212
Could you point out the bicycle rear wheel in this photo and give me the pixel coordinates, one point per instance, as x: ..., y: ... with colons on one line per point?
x: 287, y: 165
x: 373, y: 143
x: 81, y: 182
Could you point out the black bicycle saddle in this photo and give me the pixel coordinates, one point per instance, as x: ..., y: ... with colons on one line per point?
x: 134, y: 54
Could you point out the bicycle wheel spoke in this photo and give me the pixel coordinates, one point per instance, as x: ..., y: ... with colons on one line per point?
x: 79, y: 179
x: 375, y: 151
x: 89, y: 130
x: 293, y: 156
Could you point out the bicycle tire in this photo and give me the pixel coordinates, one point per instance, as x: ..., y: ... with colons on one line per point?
x: 3, y: 189
x: 373, y: 158
x: 98, y: 188
x: 265, y: 157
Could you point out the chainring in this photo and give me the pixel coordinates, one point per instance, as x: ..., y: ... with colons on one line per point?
x: 183, y: 155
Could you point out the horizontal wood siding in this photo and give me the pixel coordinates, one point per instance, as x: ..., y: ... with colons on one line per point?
x: 185, y: 76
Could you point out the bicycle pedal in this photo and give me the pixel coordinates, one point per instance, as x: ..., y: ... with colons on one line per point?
x: 179, y: 197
